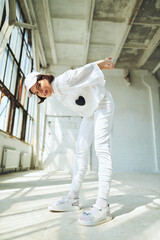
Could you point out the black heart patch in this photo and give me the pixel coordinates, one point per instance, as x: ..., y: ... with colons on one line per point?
x: 80, y: 101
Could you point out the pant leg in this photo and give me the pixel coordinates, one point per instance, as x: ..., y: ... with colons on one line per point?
x: 103, y: 119
x: 83, y: 144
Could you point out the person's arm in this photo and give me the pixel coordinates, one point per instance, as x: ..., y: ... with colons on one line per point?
x: 105, y: 64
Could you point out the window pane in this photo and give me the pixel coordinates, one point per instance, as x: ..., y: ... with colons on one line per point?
x: 30, y: 131
x: 18, y: 45
x: 23, y: 97
x: 19, y: 127
x: 30, y: 65
x: 8, y: 71
x: 26, y: 66
x: 4, y: 112
x: 14, y: 77
x: 29, y: 49
x: 16, y: 122
x: 23, y: 59
x: 6, y: 115
x: 13, y: 39
x: 21, y: 18
x: 31, y: 105
x: 18, y: 11
x: 20, y: 89
x: 26, y: 100
x: 26, y: 36
x: 3, y: 64
x: 27, y: 128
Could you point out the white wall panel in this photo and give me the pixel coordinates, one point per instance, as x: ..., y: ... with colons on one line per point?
x: 60, y: 142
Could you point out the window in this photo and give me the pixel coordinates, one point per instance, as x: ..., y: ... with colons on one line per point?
x: 16, y: 109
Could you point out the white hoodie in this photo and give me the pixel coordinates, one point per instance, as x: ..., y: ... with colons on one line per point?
x: 81, y: 89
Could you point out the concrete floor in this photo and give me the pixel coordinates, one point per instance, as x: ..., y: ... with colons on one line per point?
x: 24, y: 197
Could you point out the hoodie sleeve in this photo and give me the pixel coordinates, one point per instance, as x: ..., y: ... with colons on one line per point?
x: 87, y: 75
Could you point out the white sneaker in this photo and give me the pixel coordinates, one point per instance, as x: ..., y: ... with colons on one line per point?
x: 95, y: 216
x: 65, y: 204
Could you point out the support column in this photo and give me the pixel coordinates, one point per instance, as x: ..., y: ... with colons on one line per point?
x: 36, y: 67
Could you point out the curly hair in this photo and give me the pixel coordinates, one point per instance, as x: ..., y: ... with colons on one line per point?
x: 50, y: 79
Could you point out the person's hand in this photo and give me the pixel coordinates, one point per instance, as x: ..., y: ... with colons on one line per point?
x: 107, y: 64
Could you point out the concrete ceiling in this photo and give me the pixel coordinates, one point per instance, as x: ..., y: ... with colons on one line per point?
x: 73, y: 32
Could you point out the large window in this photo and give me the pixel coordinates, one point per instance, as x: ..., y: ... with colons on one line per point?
x: 16, y: 109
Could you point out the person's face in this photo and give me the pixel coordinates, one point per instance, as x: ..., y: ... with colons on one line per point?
x: 42, y: 88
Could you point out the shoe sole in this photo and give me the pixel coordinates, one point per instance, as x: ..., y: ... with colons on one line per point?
x: 90, y: 224
x: 55, y: 209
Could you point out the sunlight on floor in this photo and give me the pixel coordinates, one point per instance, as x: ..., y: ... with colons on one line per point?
x: 24, y: 197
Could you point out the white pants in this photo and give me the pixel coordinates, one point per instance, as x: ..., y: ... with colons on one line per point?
x: 97, y: 128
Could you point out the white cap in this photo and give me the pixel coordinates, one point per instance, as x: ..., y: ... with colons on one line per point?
x: 30, y: 80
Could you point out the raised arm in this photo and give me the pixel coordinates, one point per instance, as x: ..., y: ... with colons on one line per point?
x: 105, y: 64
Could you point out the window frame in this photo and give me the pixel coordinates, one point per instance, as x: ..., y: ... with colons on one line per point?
x: 15, y: 102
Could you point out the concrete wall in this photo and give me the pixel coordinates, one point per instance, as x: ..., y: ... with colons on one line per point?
x: 13, y: 143
x: 133, y: 143
x: 154, y: 94
x: 135, y: 136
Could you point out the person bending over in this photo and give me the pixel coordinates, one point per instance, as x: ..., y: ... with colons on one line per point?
x: 83, y: 91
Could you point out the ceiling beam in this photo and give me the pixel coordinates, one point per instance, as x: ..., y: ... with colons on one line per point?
x: 97, y: 44
x: 32, y: 18
x: 149, y: 24
x: 150, y: 48
x: 91, y: 44
x: 88, y: 25
x: 128, y: 28
x: 50, y: 30
x: 66, y: 17
x: 135, y: 46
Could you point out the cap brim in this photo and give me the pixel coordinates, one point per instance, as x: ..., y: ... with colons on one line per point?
x: 30, y: 80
